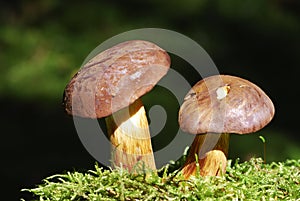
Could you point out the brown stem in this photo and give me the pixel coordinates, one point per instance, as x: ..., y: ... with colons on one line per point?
x: 211, y: 150
x: 129, y: 134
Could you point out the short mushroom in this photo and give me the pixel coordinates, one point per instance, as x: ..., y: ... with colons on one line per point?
x: 110, y: 85
x: 215, y: 107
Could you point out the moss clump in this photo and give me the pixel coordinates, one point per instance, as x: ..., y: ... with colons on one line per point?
x: 251, y: 180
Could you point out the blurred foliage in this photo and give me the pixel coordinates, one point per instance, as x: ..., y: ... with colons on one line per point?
x: 44, y: 42
x: 278, y: 146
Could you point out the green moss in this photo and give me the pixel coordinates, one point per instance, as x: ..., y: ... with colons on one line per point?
x: 251, y: 180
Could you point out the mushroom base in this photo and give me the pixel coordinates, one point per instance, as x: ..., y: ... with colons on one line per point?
x: 210, y: 150
x: 130, y: 138
x: 213, y: 164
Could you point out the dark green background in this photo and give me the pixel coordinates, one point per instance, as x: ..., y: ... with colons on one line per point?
x: 43, y: 43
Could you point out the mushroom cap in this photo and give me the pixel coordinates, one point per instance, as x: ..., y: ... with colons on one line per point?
x: 225, y: 104
x: 115, y: 78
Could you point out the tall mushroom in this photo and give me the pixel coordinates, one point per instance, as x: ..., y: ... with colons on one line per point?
x: 215, y: 107
x: 110, y: 86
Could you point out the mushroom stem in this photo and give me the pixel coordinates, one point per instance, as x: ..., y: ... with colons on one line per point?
x: 211, y: 162
x: 130, y: 138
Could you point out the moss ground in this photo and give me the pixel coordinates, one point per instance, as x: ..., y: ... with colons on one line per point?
x: 251, y: 180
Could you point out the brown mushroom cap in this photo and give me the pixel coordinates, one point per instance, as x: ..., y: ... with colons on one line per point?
x: 225, y: 104
x: 115, y: 78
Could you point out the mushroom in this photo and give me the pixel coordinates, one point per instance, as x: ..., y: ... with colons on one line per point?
x: 214, y: 108
x: 110, y: 85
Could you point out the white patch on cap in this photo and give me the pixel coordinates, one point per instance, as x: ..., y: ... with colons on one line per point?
x: 222, y: 92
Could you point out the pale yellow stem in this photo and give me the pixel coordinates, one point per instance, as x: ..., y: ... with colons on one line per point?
x: 129, y: 134
x: 211, y: 150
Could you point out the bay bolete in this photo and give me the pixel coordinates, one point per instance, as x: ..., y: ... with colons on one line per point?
x: 215, y: 107
x: 110, y: 85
